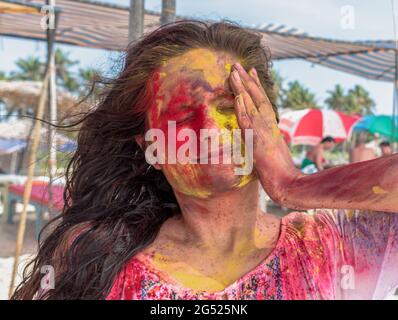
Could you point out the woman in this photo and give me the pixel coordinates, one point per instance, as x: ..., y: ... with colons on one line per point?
x: 174, y: 230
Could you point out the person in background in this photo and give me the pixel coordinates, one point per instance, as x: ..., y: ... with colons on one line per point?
x: 385, y: 148
x: 314, y: 160
x: 362, y: 152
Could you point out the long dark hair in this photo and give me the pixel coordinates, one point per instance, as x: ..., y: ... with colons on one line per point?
x: 115, y: 203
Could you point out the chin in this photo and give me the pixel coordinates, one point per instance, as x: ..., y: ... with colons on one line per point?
x: 204, y: 181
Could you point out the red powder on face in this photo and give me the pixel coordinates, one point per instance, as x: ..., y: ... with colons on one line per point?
x: 181, y: 107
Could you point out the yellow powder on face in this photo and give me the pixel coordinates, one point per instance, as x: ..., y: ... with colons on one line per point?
x: 187, y: 186
x: 206, y: 61
x: 378, y: 190
x: 228, y: 68
x: 229, y: 121
x: 198, y: 60
x: 224, y: 120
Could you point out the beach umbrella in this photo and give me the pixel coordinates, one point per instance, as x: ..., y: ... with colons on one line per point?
x: 310, y: 126
x: 381, y: 124
x: 23, y: 95
x: 8, y: 146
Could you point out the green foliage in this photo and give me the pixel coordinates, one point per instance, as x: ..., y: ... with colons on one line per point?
x: 32, y: 68
x: 86, y: 78
x: 356, y: 101
x: 63, y: 65
x: 297, y: 97
x: 278, y: 86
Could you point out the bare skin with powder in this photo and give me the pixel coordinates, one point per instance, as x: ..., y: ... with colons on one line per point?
x: 370, y: 185
x: 220, y: 215
x: 221, y: 233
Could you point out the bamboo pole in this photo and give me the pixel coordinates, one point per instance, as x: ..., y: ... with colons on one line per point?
x: 35, y: 139
x: 395, y: 103
x: 168, y: 11
x: 136, y: 19
x: 52, y: 109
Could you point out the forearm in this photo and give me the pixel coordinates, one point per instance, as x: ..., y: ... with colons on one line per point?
x: 370, y: 185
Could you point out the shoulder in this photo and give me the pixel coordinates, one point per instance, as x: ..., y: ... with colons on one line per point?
x: 302, y: 221
x: 315, y: 228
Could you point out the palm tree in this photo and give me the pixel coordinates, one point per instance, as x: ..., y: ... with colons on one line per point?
x: 63, y: 64
x: 87, y: 77
x: 30, y: 68
x: 278, y: 86
x: 337, y: 99
x: 359, y: 101
x: 298, y: 97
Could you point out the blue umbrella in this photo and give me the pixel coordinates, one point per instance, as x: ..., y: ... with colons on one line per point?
x: 69, y: 146
x: 381, y: 124
x: 11, y: 145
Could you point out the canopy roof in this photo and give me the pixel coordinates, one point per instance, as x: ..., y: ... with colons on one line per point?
x: 13, y: 7
x: 99, y: 25
x: 20, y: 94
x: 21, y: 129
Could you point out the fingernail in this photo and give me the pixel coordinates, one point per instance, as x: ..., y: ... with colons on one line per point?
x: 239, y: 99
x: 239, y: 66
x: 254, y: 71
x: 236, y: 76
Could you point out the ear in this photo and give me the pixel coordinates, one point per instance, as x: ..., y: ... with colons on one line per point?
x: 143, y: 145
x: 139, y: 138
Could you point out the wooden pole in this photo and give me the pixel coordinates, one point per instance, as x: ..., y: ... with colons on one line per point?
x: 168, y: 11
x: 52, y: 108
x: 136, y: 19
x: 35, y: 139
x: 395, y: 104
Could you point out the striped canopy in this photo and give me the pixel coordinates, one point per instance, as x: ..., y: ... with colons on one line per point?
x: 105, y: 26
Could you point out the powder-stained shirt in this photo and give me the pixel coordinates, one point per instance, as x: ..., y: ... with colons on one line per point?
x: 331, y: 254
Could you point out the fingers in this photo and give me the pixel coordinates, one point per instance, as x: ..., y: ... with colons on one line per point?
x: 244, y: 98
x: 252, y: 86
x: 254, y: 75
x: 240, y: 109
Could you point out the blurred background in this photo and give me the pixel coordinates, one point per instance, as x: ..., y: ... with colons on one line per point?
x: 334, y: 66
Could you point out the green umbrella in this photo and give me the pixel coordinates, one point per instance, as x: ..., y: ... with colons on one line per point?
x: 382, y: 125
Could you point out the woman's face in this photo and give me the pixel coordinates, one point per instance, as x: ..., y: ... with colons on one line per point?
x: 192, y: 91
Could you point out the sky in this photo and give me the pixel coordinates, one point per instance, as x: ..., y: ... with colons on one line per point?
x: 372, y: 20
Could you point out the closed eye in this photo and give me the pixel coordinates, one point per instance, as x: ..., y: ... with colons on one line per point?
x: 226, y: 108
x: 225, y: 103
x: 186, y: 118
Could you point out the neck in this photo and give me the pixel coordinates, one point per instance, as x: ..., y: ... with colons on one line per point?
x: 224, y: 221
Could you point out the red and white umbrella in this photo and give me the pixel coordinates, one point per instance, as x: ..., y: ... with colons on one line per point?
x: 310, y: 126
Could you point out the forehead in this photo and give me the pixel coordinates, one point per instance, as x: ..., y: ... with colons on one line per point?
x: 211, y: 66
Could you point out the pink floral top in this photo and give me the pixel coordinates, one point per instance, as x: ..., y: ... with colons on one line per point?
x: 332, y: 254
